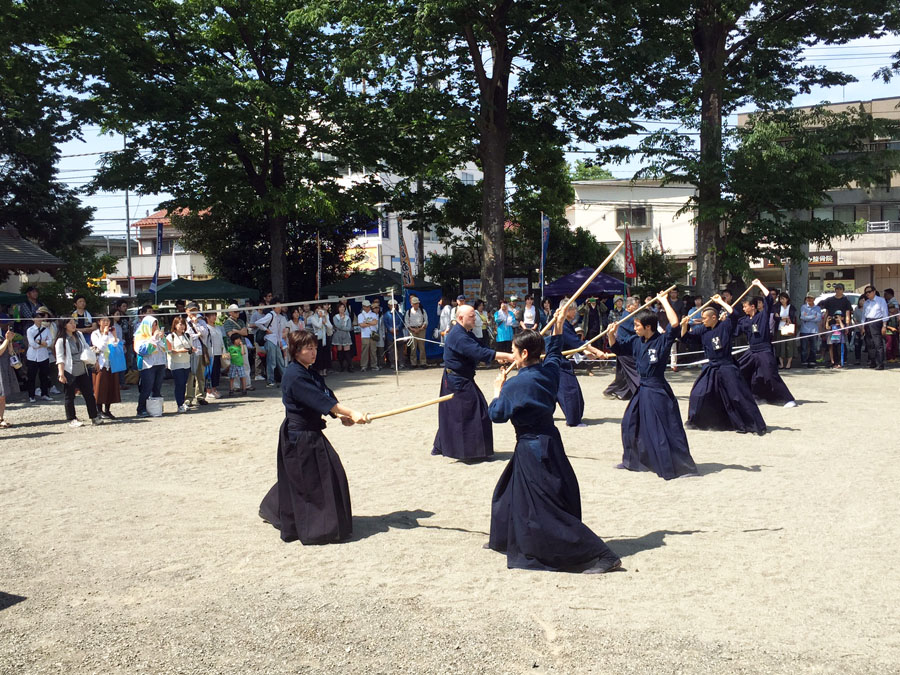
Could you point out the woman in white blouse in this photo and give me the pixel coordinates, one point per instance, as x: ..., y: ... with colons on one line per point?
x: 106, y: 383
x: 320, y: 325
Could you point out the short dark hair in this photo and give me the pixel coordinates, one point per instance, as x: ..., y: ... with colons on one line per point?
x: 237, y: 337
x: 888, y: 290
x: 79, y: 297
x: 647, y: 318
x: 299, y: 340
x: 529, y: 297
x: 754, y: 301
x: 709, y: 309
x: 31, y: 288
x: 146, y: 308
x: 531, y: 341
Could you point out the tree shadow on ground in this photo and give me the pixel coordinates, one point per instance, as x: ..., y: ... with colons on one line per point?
x: 715, y: 467
x: 627, y: 546
x: 367, y: 526
x: 590, y: 421
x: 7, y: 600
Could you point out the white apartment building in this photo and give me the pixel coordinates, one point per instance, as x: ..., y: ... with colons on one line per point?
x: 654, y: 213
x: 872, y: 256
x: 381, y: 242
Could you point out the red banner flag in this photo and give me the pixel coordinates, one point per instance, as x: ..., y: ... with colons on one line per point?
x: 630, y: 267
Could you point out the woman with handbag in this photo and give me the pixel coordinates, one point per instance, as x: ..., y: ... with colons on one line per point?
x: 786, y: 316
x: 178, y: 357
x: 9, y: 384
x: 106, y: 383
x: 73, y: 359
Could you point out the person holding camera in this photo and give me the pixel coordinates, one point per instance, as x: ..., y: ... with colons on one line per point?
x: 37, y: 358
x: 178, y: 359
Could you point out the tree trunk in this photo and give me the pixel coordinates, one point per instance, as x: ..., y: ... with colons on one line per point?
x: 493, y: 215
x: 709, y: 41
x: 277, y: 236
x: 420, y: 243
x: 798, y: 278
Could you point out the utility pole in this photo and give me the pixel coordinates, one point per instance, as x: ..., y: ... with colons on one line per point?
x: 128, y: 231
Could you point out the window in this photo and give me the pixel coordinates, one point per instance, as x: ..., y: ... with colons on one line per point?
x: 870, y: 212
x: 431, y: 233
x: 823, y: 213
x: 891, y: 211
x: 385, y: 227
x: 634, y: 217
x: 467, y: 178
x: 844, y: 214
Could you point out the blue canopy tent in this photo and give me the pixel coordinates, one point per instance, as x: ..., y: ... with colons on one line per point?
x: 567, y: 285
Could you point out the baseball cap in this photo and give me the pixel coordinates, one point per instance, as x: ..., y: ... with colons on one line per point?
x: 460, y: 297
x: 513, y: 298
x: 193, y: 305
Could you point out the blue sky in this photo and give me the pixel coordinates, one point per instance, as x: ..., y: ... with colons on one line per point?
x: 860, y: 58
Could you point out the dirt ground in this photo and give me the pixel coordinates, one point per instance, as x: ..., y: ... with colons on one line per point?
x: 136, y: 547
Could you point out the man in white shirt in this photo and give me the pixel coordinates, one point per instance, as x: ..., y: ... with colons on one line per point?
x: 198, y: 332
x: 37, y: 358
x: 417, y: 323
x: 274, y: 323
x: 368, y: 322
x: 875, y: 310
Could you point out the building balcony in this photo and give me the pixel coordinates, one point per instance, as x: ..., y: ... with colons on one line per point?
x: 143, y: 266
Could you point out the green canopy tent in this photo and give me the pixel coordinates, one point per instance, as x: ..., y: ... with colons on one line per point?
x: 11, y: 298
x: 210, y: 289
x: 371, y: 282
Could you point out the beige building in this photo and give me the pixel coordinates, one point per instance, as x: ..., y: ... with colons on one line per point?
x: 873, y: 256
x: 185, y: 264
x: 656, y: 216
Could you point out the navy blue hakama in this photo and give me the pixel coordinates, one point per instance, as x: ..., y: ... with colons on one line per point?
x: 536, y: 509
x: 626, y: 380
x: 653, y: 437
x: 536, y: 506
x: 760, y: 371
x: 311, y: 500
x: 571, y: 400
x: 464, y: 427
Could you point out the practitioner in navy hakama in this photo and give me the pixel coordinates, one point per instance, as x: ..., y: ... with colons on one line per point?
x: 626, y: 380
x: 757, y: 364
x: 311, y: 500
x: 653, y: 436
x: 464, y: 428
x: 569, y: 396
x: 720, y: 399
x: 536, y: 507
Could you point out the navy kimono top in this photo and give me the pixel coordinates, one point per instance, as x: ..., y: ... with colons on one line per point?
x: 716, y: 341
x: 626, y: 327
x: 529, y: 398
x: 651, y: 355
x: 757, y: 328
x: 462, y: 352
x: 305, y: 396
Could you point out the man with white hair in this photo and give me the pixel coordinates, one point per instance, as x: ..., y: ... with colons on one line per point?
x: 464, y: 427
x: 626, y: 382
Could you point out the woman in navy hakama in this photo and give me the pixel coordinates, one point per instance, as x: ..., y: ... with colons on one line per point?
x: 536, y: 507
x: 653, y: 436
x: 464, y: 427
x: 720, y: 399
x: 757, y: 364
x: 311, y: 499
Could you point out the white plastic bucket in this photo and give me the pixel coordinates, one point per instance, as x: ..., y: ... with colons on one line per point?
x: 155, y: 406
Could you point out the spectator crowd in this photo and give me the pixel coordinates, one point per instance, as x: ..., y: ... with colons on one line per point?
x: 213, y: 354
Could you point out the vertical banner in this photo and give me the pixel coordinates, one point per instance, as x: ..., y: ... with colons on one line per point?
x: 174, y: 265
x: 405, y: 266
x: 545, y: 241
x: 630, y: 267
x: 318, y: 264
x: 154, y: 284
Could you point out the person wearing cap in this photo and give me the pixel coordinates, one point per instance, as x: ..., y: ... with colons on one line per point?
x: 417, y: 323
x: 464, y: 427
x: 626, y: 380
x: 393, y: 331
x: 514, y: 312
x: 198, y: 332
x: 810, y: 325
x: 39, y: 337
x: 757, y: 363
x: 367, y: 322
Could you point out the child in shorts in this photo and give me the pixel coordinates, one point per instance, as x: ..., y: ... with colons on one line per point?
x: 238, y: 371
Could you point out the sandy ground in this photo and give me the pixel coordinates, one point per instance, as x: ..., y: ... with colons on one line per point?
x: 136, y: 547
